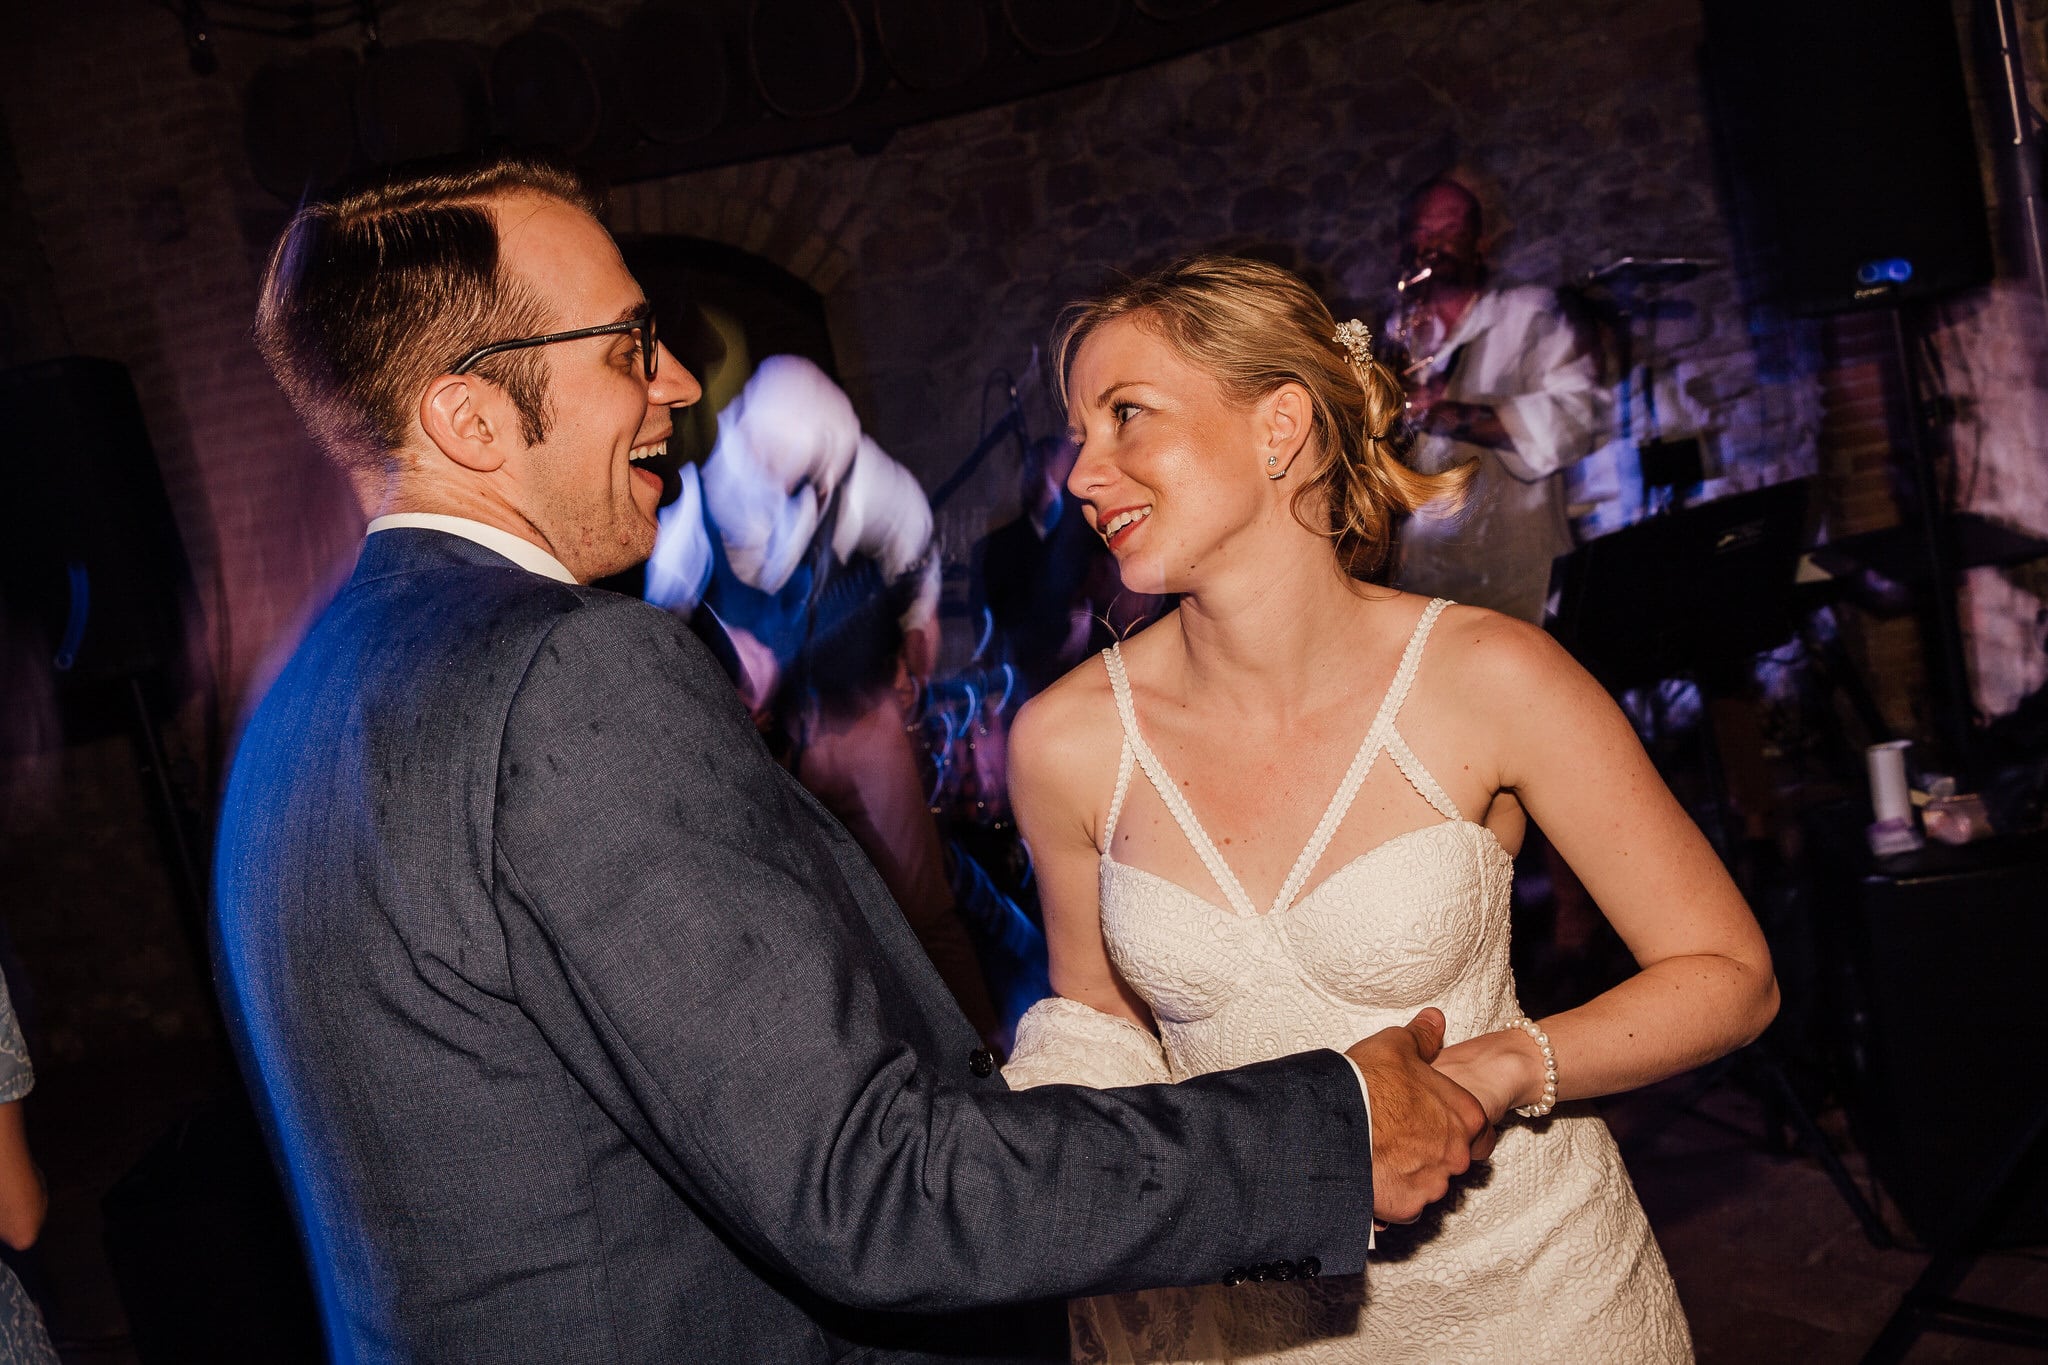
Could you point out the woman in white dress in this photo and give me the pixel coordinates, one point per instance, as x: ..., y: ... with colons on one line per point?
x: 1284, y: 817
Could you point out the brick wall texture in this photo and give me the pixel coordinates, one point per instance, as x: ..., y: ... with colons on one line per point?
x: 134, y: 230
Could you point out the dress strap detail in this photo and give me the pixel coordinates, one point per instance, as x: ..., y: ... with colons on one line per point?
x: 1120, y: 687
x: 1124, y: 764
x: 1333, y: 815
x: 1379, y: 735
x: 1419, y: 777
x: 1177, y: 804
x: 1411, y: 660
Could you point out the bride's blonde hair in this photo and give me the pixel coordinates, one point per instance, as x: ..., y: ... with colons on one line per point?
x: 1254, y: 327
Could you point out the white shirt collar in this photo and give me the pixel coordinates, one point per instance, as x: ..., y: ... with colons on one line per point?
x: 1480, y: 316
x: 524, y: 553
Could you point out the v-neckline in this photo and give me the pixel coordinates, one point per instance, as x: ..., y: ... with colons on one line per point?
x: 1334, y: 812
x: 1351, y: 864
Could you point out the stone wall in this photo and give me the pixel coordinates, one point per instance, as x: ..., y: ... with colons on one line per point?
x: 963, y: 238
x: 134, y: 230
x: 1993, y: 348
x: 942, y: 257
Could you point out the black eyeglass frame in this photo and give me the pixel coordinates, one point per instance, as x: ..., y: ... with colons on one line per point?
x: 650, y: 349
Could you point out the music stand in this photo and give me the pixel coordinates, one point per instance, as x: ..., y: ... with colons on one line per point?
x: 1697, y: 586
x: 1632, y: 284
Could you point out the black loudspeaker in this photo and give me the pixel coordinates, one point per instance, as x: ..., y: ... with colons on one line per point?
x: 1947, y: 1041
x: 1850, y: 156
x: 1671, y: 594
x: 92, y: 570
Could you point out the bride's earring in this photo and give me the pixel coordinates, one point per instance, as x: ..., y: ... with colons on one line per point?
x: 1271, y: 471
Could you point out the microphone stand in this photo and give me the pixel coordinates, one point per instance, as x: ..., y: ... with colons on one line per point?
x: 1010, y: 424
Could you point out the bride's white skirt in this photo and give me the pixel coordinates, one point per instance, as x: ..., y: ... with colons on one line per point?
x: 1540, y: 1254
x: 1543, y: 1254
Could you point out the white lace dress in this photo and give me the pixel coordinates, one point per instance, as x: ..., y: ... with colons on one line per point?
x: 1541, y: 1254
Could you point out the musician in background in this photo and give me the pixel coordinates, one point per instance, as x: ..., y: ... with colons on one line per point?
x: 1498, y: 376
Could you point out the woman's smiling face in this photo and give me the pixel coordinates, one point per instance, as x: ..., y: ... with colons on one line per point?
x: 1169, y: 469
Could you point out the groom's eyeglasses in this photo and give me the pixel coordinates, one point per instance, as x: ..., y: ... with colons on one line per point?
x: 641, y: 325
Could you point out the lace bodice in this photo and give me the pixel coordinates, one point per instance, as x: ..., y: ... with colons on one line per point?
x: 1422, y: 919
x: 1542, y: 1254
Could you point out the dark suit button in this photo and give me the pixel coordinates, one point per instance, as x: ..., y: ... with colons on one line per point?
x: 1282, y: 1271
x: 982, y: 1062
x: 1310, y: 1267
x: 1234, y: 1275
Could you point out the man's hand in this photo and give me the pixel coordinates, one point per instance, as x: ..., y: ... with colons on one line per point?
x: 1425, y: 1127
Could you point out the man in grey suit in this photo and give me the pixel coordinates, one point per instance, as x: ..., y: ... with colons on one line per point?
x: 582, y: 1033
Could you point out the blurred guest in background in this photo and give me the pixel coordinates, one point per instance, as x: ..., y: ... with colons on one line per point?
x: 843, y: 703
x: 791, y: 489
x: 813, y: 549
x: 743, y: 538
x: 1499, y: 377
x: 23, y: 1339
x: 1049, y: 587
x: 31, y: 734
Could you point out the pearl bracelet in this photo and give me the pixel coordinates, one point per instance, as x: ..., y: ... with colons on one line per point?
x: 1549, y: 1100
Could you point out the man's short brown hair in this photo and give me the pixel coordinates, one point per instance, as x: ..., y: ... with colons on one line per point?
x: 371, y: 295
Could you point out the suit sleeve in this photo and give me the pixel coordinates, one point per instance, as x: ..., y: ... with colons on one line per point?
x: 681, y: 931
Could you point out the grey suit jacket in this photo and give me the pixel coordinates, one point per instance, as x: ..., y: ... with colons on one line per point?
x: 584, y: 1034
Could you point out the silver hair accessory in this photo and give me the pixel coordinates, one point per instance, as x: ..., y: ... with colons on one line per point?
x: 1356, y: 339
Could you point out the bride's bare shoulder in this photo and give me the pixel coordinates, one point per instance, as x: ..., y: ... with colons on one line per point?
x: 1063, y: 741
x: 1065, y: 728
x: 1486, y: 658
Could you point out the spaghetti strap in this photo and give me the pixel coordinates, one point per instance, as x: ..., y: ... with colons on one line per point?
x: 1177, y: 804
x: 1381, y: 734
x: 1404, y: 757
x: 1419, y: 777
x: 1124, y: 764
x: 1411, y: 659
x: 1120, y: 686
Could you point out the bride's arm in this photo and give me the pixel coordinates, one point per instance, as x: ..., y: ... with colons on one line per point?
x: 1062, y: 765
x: 1570, y: 756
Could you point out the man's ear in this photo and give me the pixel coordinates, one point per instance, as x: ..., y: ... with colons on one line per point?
x: 464, y: 418
x: 1290, y: 416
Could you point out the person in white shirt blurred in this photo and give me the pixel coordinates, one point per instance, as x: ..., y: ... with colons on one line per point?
x: 1500, y: 377
x: 813, y: 549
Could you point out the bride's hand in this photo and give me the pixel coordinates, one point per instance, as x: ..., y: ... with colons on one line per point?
x: 1502, y: 1070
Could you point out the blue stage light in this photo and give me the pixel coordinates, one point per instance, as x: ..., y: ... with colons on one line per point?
x: 1893, y: 270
